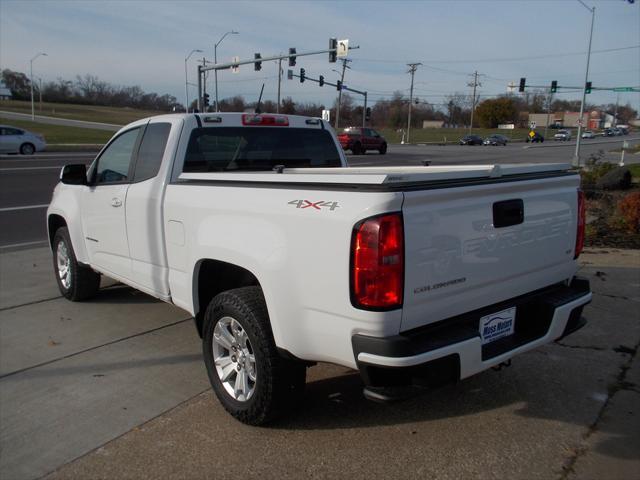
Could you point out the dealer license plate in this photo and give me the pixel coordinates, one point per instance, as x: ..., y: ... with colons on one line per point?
x: 497, y: 325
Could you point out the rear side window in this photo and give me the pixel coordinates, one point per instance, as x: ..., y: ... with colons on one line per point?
x: 219, y: 149
x: 151, y: 151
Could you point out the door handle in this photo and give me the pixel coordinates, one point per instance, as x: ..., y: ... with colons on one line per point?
x: 116, y: 202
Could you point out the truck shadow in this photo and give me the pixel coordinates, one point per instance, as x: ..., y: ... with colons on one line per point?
x: 118, y: 293
x: 529, y: 390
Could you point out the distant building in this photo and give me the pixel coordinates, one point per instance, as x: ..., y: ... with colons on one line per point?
x: 5, y: 93
x: 433, y: 123
x: 561, y: 119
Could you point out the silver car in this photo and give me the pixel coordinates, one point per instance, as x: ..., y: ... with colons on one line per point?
x: 18, y: 140
x: 562, y: 135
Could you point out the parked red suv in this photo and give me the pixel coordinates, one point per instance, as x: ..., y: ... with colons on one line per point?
x: 359, y: 140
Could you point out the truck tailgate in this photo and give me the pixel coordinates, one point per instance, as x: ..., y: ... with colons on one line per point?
x: 466, y: 247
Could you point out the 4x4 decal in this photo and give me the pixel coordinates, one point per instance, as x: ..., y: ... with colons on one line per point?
x: 319, y: 205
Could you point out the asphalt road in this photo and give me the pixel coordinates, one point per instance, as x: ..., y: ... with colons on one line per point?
x: 26, y: 183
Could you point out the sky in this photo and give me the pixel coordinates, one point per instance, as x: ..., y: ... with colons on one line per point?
x: 145, y: 43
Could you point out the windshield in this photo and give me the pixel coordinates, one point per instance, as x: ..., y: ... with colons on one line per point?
x: 218, y: 149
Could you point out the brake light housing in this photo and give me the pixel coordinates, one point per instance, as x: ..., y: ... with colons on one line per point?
x: 265, y: 120
x: 377, y: 263
x: 582, y: 222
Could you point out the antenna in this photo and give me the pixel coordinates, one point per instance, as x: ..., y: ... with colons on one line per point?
x: 260, y: 100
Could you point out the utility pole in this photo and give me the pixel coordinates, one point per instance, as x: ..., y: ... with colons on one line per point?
x: 204, y: 83
x: 475, y: 84
x: 344, y: 67
x: 615, y: 112
x: 364, y: 111
x: 576, y: 161
x: 199, y: 103
x: 546, y: 126
x: 40, y: 94
x: 279, y: 82
x: 412, y: 70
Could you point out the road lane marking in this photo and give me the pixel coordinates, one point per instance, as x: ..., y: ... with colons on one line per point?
x: 25, y: 207
x: 17, y: 169
x: 24, y: 244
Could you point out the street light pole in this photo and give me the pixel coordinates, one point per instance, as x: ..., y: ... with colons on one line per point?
x: 186, y: 81
x: 576, y: 159
x: 33, y: 113
x: 215, y: 60
x: 344, y: 67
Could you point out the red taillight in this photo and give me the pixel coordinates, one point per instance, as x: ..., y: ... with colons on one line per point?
x: 377, y: 263
x: 272, y: 120
x: 581, y: 224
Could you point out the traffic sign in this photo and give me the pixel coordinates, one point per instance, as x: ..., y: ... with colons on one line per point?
x: 623, y: 89
x: 326, y: 115
x: 343, y: 48
x: 236, y: 68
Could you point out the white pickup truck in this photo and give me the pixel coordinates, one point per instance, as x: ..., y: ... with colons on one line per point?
x: 285, y: 256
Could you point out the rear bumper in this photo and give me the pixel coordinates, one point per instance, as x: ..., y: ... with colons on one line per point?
x: 451, y: 349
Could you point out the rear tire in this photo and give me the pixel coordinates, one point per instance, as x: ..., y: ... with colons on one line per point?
x: 75, y: 281
x: 357, y: 149
x: 383, y: 149
x: 248, y: 375
x: 27, y: 149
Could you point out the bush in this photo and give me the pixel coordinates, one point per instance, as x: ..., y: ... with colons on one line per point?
x: 629, y: 210
x: 619, y: 178
x: 595, y: 169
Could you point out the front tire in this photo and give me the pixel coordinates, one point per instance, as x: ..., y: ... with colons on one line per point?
x: 383, y: 149
x: 75, y: 281
x: 27, y: 149
x: 250, y: 378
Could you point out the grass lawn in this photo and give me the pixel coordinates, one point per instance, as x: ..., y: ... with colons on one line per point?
x: 635, y: 170
x: 61, y: 134
x: 89, y: 113
x: 419, y: 135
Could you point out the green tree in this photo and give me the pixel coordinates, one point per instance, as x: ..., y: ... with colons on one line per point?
x: 493, y: 112
x: 18, y: 83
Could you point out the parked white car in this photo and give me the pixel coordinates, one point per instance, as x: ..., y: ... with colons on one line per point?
x: 18, y: 140
x: 285, y: 256
x: 588, y: 134
x: 562, y: 135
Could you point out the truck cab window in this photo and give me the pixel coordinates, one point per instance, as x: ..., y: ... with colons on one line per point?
x: 217, y: 149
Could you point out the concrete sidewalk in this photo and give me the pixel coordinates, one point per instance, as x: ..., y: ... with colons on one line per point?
x: 127, y: 397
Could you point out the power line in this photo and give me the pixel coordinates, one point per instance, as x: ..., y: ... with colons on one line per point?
x: 506, y: 59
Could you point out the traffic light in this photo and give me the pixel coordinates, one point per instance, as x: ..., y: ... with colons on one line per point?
x: 289, y: 74
x: 205, y: 99
x: 338, y: 85
x: 522, y: 84
x: 257, y: 65
x: 292, y: 57
x: 587, y: 88
x: 367, y: 114
x: 554, y: 86
x: 333, y: 45
x: 302, y: 75
x: 321, y: 81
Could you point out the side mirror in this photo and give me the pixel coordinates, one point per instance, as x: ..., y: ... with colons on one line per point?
x: 74, y: 174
